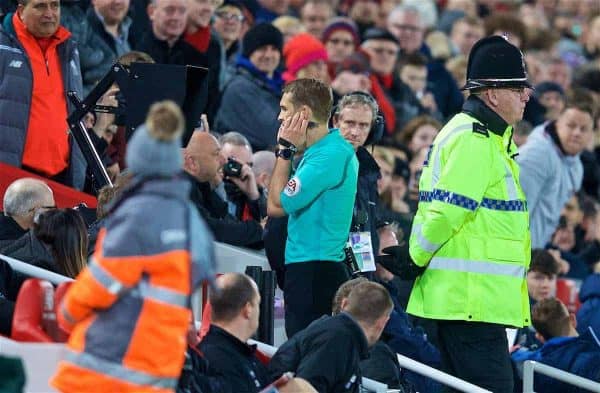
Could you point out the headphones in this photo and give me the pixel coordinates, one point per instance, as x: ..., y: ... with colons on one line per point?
x: 378, y: 123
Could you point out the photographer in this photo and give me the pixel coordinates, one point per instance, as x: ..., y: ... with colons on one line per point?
x: 245, y: 199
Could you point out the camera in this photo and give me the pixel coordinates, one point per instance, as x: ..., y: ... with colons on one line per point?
x: 232, y: 168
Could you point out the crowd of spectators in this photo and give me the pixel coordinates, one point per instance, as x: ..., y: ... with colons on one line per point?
x: 408, y: 59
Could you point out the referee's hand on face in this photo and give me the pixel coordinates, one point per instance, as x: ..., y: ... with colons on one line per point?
x: 293, y: 129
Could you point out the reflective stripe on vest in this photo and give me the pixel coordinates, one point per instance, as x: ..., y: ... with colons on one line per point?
x: 163, y: 295
x: 437, y: 169
x: 511, y: 186
x: 111, y: 284
x: 471, y: 204
x: 119, y: 371
x: 425, y: 244
x: 66, y: 315
x: 448, y: 197
x: 144, y: 289
x: 481, y: 267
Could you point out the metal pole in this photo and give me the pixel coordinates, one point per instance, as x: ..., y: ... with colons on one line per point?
x: 531, y: 366
x: 439, y: 376
x: 528, y: 368
x: 35, y: 271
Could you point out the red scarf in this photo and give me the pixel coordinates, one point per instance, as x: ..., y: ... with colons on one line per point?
x: 386, y: 107
x: 200, y: 39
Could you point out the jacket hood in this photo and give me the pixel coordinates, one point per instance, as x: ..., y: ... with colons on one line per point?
x: 540, y: 135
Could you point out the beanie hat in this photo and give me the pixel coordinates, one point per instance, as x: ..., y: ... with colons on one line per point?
x: 301, y: 50
x: 340, y: 23
x: 261, y: 35
x: 546, y: 87
x: 155, y: 147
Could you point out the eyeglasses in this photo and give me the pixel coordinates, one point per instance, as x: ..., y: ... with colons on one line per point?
x: 412, y: 29
x: 228, y: 16
x: 336, y: 41
x: 389, y: 52
x: 519, y: 90
x: 41, y: 208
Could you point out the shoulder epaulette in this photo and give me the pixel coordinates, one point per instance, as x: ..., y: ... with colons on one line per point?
x: 480, y: 129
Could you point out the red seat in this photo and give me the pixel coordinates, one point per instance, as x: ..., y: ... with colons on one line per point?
x: 61, y: 335
x: 34, y: 318
x: 567, y: 292
x: 34, y: 311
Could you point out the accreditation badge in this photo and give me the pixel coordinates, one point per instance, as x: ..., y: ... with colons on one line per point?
x: 362, y: 247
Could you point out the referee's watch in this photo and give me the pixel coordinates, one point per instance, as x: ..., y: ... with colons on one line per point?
x: 286, y: 153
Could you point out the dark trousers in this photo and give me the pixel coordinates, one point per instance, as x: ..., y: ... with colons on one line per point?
x: 308, y: 291
x: 476, y: 352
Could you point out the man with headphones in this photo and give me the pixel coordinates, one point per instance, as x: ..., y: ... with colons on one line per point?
x: 358, y: 119
x: 317, y: 195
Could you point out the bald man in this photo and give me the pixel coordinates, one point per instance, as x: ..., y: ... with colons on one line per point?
x: 22, y: 200
x: 202, y: 161
x: 264, y: 162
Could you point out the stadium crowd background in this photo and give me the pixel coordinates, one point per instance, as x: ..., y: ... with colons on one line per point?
x: 410, y: 56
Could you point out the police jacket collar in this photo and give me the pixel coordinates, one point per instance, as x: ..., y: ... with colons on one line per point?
x: 475, y: 107
x: 225, y: 338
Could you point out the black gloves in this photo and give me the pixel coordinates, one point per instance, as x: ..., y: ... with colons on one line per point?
x: 397, y: 260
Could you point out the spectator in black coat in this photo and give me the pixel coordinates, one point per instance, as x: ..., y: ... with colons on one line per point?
x: 356, y: 115
x: 22, y: 200
x: 57, y: 242
x: 250, y: 101
x: 328, y: 352
x: 164, y: 42
x: 235, y: 308
x: 10, y: 282
x: 202, y: 162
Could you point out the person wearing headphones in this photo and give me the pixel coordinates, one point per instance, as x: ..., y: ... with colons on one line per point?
x: 358, y: 119
x: 318, y: 196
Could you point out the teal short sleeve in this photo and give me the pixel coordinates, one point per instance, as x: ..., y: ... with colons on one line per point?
x: 310, y: 180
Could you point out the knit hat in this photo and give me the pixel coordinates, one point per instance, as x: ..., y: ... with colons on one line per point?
x: 301, y: 50
x: 340, y: 23
x: 262, y: 34
x: 155, y: 147
x: 546, y: 87
x: 357, y: 63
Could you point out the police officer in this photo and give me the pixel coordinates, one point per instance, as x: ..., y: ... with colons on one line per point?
x: 470, y: 241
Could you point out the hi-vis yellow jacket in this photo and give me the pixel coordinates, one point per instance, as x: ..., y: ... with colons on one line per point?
x: 471, y: 229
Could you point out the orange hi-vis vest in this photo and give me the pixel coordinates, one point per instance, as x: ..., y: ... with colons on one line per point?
x: 129, y: 309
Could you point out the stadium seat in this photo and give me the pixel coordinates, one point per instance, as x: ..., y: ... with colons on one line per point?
x: 34, y: 318
x: 568, y: 293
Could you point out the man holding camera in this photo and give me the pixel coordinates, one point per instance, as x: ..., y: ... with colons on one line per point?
x: 318, y: 197
x: 245, y: 199
x: 202, y: 160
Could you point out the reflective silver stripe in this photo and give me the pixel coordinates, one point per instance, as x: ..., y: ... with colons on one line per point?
x: 163, y: 295
x: 66, y: 315
x: 10, y: 49
x: 437, y: 169
x: 511, y: 185
x: 502, y: 80
x: 119, y: 371
x: 422, y: 241
x: 482, y: 267
x: 111, y: 284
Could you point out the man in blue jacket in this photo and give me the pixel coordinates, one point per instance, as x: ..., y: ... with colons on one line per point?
x: 563, y: 347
